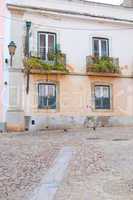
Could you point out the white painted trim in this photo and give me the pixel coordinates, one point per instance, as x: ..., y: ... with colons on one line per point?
x: 101, y: 35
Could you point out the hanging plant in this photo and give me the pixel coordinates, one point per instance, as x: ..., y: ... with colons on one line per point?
x: 58, y: 64
x: 104, y: 64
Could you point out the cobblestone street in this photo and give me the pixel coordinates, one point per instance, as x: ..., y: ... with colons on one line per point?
x: 100, y: 168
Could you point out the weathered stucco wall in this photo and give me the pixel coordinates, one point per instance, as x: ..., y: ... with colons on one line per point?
x: 75, y: 94
x: 75, y: 39
x: 74, y: 34
x: 2, y: 12
x: 75, y: 101
x: 4, y: 54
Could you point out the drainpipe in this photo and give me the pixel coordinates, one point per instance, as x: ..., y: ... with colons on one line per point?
x: 28, y: 26
x: 27, y: 53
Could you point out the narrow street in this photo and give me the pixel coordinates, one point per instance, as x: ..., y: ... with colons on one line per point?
x: 75, y: 165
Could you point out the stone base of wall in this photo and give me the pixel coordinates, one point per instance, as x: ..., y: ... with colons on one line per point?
x: 61, y: 122
x: 2, y: 127
x: 121, y: 121
x: 15, y: 120
x: 110, y: 121
x: 57, y: 122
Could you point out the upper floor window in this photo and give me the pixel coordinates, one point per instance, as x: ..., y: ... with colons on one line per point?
x: 46, y: 44
x: 100, y: 47
x: 47, y: 96
x: 102, y: 97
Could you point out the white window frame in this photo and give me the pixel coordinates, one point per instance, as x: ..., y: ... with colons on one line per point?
x: 100, y: 44
x: 47, y: 48
x: 47, y: 84
x: 101, y: 87
x: 99, y: 83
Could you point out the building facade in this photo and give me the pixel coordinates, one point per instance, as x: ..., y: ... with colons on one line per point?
x: 1, y: 52
x: 73, y: 61
x: 4, y: 39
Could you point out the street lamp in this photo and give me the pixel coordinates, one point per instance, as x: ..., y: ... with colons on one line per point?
x: 28, y: 26
x: 12, y: 48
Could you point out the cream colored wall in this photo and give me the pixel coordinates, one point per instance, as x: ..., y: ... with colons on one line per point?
x: 77, y: 44
x: 1, y: 56
x: 75, y: 38
x: 122, y: 95
x: 75, y: 96
x: 17, y: 35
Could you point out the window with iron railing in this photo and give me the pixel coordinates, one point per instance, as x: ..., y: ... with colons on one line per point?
x: 100, y: 61
x: 46, y: 44
x: 103, y: 64
x: 100, y: 47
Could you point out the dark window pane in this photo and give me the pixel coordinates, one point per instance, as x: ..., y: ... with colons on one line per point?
x: 101, y: 47
x: 42, y: 90
x: 104, y: 48
x: 52, y: 102
x: 51, y: 42
x: 52, y: 96
x: 42, y: 102
x: 42, y: 40
x: 102, y: 97
x: 46, y: 45
x: 96, y: 47
x: 106, y: 91
x: 106, y: 103
x: 98, y: 103
x: 42, y: 50
x: 51, y: 90
x: 47, y: 96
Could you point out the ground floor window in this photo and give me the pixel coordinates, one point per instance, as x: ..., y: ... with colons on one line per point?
x: 102, y: 97
x: 47, y: 96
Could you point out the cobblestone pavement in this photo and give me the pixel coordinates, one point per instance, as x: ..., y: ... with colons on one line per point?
x: 100, y: 169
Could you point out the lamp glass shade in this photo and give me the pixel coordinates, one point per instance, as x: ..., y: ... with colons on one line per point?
x: 12, y: 48
x: 28, y: 24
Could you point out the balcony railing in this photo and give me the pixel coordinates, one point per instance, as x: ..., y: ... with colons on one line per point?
x: 55, y: 62
x: 102, y: 65
x: 51, y: 57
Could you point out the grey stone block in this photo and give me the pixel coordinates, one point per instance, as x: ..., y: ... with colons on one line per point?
x: 121, y: 121
x: 61, y: 122
x: 2, y: 127
x: 15, y: 120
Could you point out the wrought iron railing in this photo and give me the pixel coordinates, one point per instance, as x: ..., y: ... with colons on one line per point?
x: 104, y: 64
x: 51, y: 57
